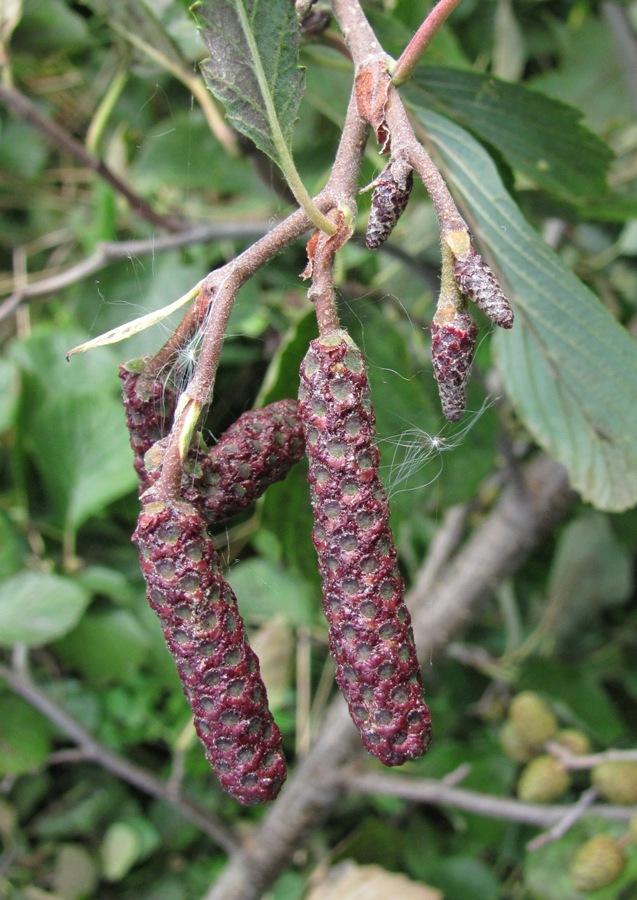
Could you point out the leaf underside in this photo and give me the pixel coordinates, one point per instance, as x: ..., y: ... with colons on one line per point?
x: 253, y: 67
x: 568, y: 366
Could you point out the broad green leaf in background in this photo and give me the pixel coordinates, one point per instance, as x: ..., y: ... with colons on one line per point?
x: 36, y: 608
x: 9, y: 393
x: 591, y: 74
x: 138, y: 24
x: 590, y: 571
x: 538, y: 136
x: 73, y: 427
x: 108, y: 645
x: 568, y: 366
x: 25, y: 736
x: 253, y: 69
x: 267, y: 590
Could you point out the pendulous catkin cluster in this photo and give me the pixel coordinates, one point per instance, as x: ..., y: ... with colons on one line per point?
x: 389, y: 201
x: 453, y: 343
x: 370, y: 632
x: 206, y: 636
x: 259, y: 449
x: 149, y: 405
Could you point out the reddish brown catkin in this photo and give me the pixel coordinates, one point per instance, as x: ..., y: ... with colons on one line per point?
x: 389, y: 200
x: 476, y: 280
x: 453, y: 347
x: 370, y: 632
x: 149, y: 405
x: 259, y: 449
x: 206, y: 636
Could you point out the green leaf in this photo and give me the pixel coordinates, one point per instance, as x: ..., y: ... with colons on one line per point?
x: 73, y: 426
x: 267, y: 590
x: 138, y: 24
x: 13, y: 547
x: 25, y: 740
x: 108, y: 645
x: 9, y: 393
x: 591, y: 74
x: 538, y: 136
x: 568, y: 366
x: 580, y: 688
x: 36, y: 608
x: 125, y: 844
x: 591, y: 571
x: 253, y: 66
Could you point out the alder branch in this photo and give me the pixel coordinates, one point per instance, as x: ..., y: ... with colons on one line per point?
x: 223, y: 284
x: 527, y: 510
x: 107, y: 252
x: 590, y: 760
x: 27, y: 110
x: 438, y: 793
x: 91, y: 749
x: 421, y: 40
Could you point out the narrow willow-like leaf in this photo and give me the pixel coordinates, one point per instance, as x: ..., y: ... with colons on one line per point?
x: 128, y: 329
x: 138, y: 24
x: 537, y: 135
x: 253, y: 67
x: 568, y: 366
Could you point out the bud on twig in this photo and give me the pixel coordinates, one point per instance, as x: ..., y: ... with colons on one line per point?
x: 389, y: 200
x: 370, y: 632
x: 476, y: 280
x: 206, y: 636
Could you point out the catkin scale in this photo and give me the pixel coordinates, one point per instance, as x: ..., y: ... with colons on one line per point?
x: 206, y: 636
x: 476, y: 280
x: 259, y: 449
x: 389, y: 201
x: 453, y: 343
x: 370, y: 634
x: 149, y: 406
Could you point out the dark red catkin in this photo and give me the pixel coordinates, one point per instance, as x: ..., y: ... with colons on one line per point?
x: 206, y: 636
x: 453, y: 347
x: 476, y: 281
x: 389, y: 200
x: 259, y: 449
x: 149, y: 405
x: 370, y: 632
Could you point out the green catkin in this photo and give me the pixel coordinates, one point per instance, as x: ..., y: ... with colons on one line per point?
x: 370, y: 634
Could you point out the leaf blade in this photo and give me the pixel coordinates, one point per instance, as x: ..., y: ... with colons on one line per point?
x: 253, y: 67
x: 538, y: 136
x: 568, y: 366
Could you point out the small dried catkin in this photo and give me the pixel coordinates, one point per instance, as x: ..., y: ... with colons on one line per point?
x: 258, y: 450
x: 453, y: 347
x: 476, y: 281
x: 206, y: 637
x: 370, y: 634
x: 149, y: 405
x: 389, y: 200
